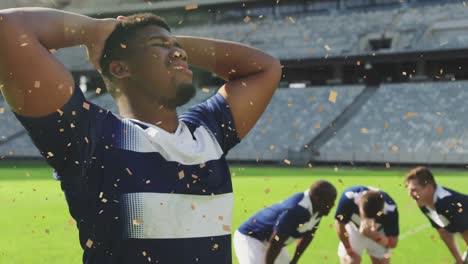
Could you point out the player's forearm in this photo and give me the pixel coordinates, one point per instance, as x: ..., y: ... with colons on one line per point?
x: 53, y: 28
x: 229, y: 60
x: 301, y: 247
x: 449, y: 240
x: 342, y: 234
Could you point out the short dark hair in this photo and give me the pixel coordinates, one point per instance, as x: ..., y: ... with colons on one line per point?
x: 422, y: 175
x: 372, y: 204
x: 116, y: 46
x: 323, y: 189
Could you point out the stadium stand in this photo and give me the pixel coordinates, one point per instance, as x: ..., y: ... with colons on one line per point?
x: 406, y: 123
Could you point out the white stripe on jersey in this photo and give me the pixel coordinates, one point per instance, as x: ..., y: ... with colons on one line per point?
x: 169, y: 215
x: 179, y: 146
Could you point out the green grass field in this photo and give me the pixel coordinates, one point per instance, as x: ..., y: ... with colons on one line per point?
x: 35, y: 226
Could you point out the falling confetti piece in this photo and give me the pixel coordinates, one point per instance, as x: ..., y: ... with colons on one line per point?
x: 98, y: 90
x: 181, y: 175
x: 287, y: 162
x: 387, y: 165
x: 220, y: 218
x: 192, y: 206
x: 205, y: 90
x: 137, y: 221
x: 191, y: 6
x: 277, y: 238
x: 128, y: 171
x: 364, y: 130
x: 291, y: 19
x: 37, y: 84
x: 254, y: 26
x: 247, y: 19
x: 89, y: 243
x: 86, y: 105
x: 439, y: 129
x: 50, y: 154
x: 328, y: 48
x: 215, y: 246
x: 267, y: 190
x: 395, y: 148
x: 320, y: 108
x: 227, y: 228
x: 123, y: 46
x: 332, y: 96
x: 317, y: 126
x: 2, y: 110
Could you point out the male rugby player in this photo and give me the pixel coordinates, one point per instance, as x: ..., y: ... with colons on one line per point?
x: 145, y: 186
x: 366, y: 219
x: 263, y: 237
x: 446, y: 209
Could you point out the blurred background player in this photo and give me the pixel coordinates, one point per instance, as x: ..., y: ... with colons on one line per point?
x: 366, y: 219
x: 263, y: 237
x: 446, y: 209
x: 136, y: 182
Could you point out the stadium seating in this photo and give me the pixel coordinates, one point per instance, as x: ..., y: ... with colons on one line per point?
x: 291, y: 120
x: 406, y: 123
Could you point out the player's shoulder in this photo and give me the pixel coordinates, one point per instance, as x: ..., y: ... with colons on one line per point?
x: 354, y: 191
x: 445, y: 196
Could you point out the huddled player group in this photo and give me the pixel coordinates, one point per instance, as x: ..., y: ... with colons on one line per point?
x: 148, y: 186
x: 366, y: 220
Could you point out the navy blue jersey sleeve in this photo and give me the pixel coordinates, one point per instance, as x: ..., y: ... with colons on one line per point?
x: 452, y: 208
x: 216, y: 115
x: 344, y: 210
x: 289, y: 220
x: 69, y: 135
x: 391, y: 226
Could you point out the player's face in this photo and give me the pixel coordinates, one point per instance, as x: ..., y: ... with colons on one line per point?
x: 159, y: 65
x: 324, y: 204
x: 421, y: 194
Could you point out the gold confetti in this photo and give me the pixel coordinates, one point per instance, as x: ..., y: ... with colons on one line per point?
x: 439, y: 129
x: 364, y: 130
x: 254, y: 26
x: 227, y: 228
x: 379, y: 213
x: 291, y: 19
x: 191, y: 6
x: 215, y: 246
x: 181, y: 175
x: 50, y: 154
x: 37, y: 84
x: 98, y: 90
x: 89, y: 243
x: 148, y: 182
x: 104, y: 200
x: 192, y: 206
x: 202, y: 165
x: 320, y: 108
x: 220, y: 218
x: 332, y: 96
x: 395, y: 148
x: 137, y: 222
x: 2, y: 110
x: 247, y: 19
x: 143, y: 253
x: 287, y: 162
x: 205, y: 90
x: 408, y: 114
x: 267, y: 190
x: 86, y: 105
x: 123, y: 46
x: 309, y: 165
x: 328, y: 48
x: 387, y: 165
x: 277, y: 238
x: 317, y: 126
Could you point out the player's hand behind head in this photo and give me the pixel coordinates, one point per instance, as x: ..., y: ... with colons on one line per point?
x: 97, y: 39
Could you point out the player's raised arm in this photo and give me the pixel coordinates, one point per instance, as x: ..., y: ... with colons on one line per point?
x: 34, y: 82
x: 252, y: 76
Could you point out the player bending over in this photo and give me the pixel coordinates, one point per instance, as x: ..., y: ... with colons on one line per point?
x: 366, y: 219
x: 263, y: 237
x: 446, y: 209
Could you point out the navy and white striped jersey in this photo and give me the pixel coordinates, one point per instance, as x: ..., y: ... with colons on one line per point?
x: 451, y: 210
x: 292, y: 219
x: 138, y: 193
x: 348, y: 210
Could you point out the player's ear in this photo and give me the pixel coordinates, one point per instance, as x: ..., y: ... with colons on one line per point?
x: 119, y: 69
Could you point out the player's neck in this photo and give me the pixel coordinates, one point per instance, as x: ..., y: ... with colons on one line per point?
x: 148, y: 112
